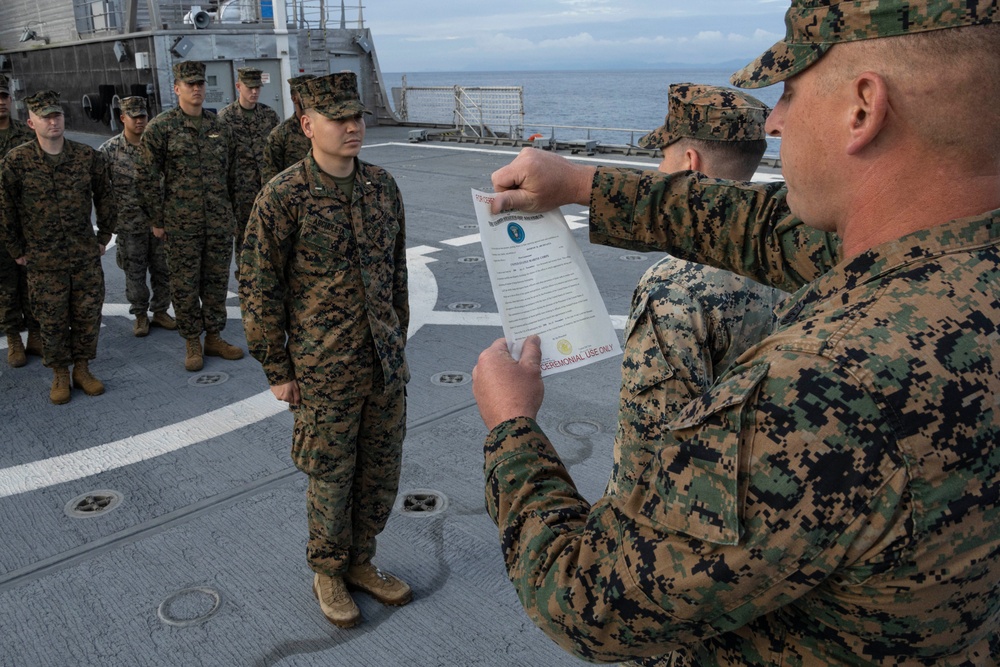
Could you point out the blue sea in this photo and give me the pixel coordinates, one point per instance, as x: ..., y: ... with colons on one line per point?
x: 631, y: 99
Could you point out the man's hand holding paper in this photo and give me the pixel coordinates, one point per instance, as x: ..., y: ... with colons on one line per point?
x: 505, y: 388
x: 543, y: 286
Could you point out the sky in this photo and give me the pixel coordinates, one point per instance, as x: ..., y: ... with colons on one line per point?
x: 462, y: 35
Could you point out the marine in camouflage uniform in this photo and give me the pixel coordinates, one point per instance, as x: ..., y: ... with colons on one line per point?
x: 138, y: 251
x: 323, y: 290
x: 250, y: 122
x: 48, y: 188
x: 189, y: 184
x: 689, y: 322
x: 833, y: 498
x: 286, y: 144
x: 15, y: 311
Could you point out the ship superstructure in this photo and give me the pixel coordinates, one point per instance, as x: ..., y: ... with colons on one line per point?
x: 96, y: 51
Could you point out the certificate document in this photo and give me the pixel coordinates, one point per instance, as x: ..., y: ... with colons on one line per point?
x: 542, y: 285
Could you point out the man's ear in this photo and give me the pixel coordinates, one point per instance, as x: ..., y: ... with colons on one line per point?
x: 306, y: 122
x: 693, y: 160
x: 869, y: 110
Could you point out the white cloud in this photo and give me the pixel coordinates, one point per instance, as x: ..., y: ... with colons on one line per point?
x: 576, y: 34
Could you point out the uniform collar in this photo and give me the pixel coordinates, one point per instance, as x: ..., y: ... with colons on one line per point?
x: 959, y: 235
x: 321, y: 184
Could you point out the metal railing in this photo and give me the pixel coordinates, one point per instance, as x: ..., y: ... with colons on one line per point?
x: 480, y: 111
x: 98, y: 17
x: 325, y: 14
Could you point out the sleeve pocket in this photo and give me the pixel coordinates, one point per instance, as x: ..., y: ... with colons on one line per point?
x: 643, y: 363
x: 691, y: 487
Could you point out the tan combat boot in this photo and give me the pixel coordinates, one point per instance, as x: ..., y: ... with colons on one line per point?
x: 141, y: 326
x: 163, y: 319
x: 83, y: 379
x: 335, y: 602
x: 194, y: 361
x: 15, y: 350
x: 382, y: 586
x: 34, y: 344
x: 60, y: 385
x: 216, y: 347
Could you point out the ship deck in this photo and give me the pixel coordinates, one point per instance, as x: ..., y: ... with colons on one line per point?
x: 199, y: 557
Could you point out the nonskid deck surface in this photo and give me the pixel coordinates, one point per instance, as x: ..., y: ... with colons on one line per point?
x: 200, y: 557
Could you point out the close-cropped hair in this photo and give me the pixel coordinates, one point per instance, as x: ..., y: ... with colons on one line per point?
x: 732, y: 160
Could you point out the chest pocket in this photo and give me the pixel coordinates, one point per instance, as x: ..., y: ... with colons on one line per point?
x: 381, y: 228
x: 78, y: 195
x: 691, y: 487
x: 327, y: 245
x: 124, y: 170
x: 216, y: 148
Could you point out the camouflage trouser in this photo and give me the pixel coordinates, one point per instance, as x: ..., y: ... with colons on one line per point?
x: 199, y: 280
x: 15, y: 311
x: 68, y: 306
x: 688, y: 323
x: 137, y: 254
x: 352, y: 451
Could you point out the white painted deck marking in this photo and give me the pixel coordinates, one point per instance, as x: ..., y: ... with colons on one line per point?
x: 137, y: 448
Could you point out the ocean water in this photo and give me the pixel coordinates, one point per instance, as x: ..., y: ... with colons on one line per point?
x: 629, y: 100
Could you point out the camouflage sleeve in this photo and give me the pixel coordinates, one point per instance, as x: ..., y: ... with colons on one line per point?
x: 151, y: 169
x: 272, y: 120
x: 10, y: 226
x: 273, y: 156
x: 757, y: 496
x: 400, y: 287
x: 233, y: 179
x: 266, y: 247
x: 746, y: 228
x: 104, y: 197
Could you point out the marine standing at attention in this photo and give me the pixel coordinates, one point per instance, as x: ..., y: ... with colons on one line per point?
x: 324, y: 298
x: 286, y: 144
x: 689, y: 322
x: 138, y: 251
x: 250, y: 122
x: 833, y: 497
x: 48, y: 189
x: 189, y: 183
x: 15, y: 311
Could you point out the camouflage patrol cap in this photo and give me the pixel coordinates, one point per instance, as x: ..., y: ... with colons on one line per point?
x: 334, y: 95
x: 134, y: 106
x: 4, y: 84
x: 813, y: 26
x: 296, y: 82
x: 44, y: 103
x: 250, y: 77
x: 710, y: 113
x: 189, y: 71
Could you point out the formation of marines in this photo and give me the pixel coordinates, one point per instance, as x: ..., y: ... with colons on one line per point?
x: 176, y: 189
x: 327, y: 233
